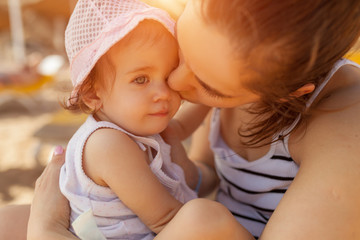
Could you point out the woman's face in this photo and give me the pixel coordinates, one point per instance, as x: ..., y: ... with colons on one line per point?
x: 208, y: 72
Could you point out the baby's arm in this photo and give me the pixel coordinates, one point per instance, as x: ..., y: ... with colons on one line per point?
x: 187, y: 120
x: 200, y: 154
x: 113, y: 159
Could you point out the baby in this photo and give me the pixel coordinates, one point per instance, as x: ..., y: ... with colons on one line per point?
x: 118, y: 175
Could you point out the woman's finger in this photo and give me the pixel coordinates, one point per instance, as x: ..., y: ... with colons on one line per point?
x: 54, y: 165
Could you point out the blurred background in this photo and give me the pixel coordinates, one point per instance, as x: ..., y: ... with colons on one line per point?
x: 34, y: 78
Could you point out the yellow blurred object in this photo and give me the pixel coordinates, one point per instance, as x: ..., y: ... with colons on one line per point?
x: 353, y: 56
x: 28, y: 88
x: 28, y: 79
x: 27, y: 85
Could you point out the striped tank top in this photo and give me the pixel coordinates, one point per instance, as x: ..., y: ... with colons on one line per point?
x: 252, y: 190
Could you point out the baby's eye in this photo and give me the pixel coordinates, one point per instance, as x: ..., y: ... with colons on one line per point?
x: 141, y: 80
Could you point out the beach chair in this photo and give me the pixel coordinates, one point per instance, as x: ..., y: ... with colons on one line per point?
x: 23, y: 86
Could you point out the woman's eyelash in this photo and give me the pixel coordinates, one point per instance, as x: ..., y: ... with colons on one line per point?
x: 211, y: 94
x: 208, y: 91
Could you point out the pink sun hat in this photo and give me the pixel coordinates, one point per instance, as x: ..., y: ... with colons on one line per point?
x: 96, y: 25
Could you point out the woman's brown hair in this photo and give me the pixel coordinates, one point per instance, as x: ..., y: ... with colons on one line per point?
x: 286, y: 44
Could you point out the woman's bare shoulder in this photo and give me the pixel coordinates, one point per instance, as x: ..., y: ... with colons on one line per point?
x: 325, y: 187
x: 334, y: 123
x: 332, y: 130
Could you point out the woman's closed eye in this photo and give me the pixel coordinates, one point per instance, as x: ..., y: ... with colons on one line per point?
x: 141, y: 80
x: 211, y: 93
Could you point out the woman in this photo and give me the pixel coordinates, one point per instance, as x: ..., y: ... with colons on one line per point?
x: 275, y: 70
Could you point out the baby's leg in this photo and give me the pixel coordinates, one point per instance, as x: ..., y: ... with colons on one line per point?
x: 203, y: 219
x: 13, y: 221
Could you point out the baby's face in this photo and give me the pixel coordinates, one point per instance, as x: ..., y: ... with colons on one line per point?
x: 140, y: 100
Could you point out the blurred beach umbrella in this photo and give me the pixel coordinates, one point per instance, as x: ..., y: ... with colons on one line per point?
x: 17, y: 31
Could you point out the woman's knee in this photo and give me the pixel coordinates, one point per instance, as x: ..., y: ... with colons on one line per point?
x: 13, y: 221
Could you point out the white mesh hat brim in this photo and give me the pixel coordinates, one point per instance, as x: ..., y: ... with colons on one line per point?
x: 92, y: 31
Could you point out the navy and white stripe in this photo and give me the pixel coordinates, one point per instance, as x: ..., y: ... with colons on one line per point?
x: 251, y: 190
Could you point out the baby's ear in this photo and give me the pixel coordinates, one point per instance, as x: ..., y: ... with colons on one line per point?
x: 92, y: 101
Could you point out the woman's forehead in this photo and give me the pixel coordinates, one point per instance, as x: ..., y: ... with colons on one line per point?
x: 206, y: 51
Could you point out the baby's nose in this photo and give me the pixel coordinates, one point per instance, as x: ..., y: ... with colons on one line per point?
x: 162, y: 92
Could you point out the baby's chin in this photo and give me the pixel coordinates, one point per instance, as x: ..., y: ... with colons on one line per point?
x: 150, y: 132
x: 158, y: 131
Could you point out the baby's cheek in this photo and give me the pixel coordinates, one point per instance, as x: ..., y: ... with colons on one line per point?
x: 176, y: 102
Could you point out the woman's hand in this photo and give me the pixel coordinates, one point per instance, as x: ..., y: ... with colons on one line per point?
x: 50, y: 211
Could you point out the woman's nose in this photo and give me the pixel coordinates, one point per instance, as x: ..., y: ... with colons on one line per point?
x: 179, y: 78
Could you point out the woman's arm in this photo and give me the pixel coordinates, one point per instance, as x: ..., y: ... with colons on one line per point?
x: 323, y: 202
x: 50, y: 212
